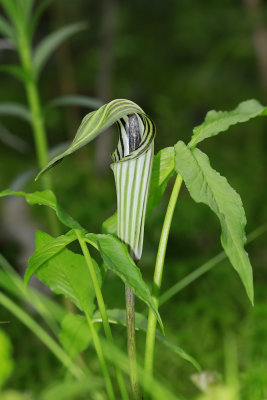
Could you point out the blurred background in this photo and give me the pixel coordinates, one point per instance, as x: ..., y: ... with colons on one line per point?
x: 177, y: 60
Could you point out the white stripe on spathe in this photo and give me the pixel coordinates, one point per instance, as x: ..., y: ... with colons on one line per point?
x: 132, y: 178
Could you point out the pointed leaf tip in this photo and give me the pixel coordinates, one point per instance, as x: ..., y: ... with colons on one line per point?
x: 207, y: 186
x: 219, y: 121
x: 98, y: 121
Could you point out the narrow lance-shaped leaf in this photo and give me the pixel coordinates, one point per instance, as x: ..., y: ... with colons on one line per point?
x: 6, y: 29
x: 96, y: 122
x: 39, y: 9
x: 207, y: 186
x: 219, y: 121
x: 13, y: 141
x: 19, y: 73
x: 74, y: 100
x: 48, y: 199
x: 16, y: 110
x: 51, y: 42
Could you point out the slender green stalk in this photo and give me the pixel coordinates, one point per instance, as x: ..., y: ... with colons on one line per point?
x: 152, y: 321
x: 42, y: 335
x: 152, y: 386
x: 37, y: 120
x: 101, y: 358
x: 130, y: 320
x: 102, y: 308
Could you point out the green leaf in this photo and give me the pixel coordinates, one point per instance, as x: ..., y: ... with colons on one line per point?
x: 75, y: 334
x: 46, y: 252
x: 117, y: 259
x: 6, y: 29
x: 219, y: 121
x: 67, y: 273
x: 162, y: 171
x: 13, y: 141
x: 17, y: 72
x: 16, y: 110
x: 7, y: 363
x: 51, y: 42
x: 37, y: 15
x: 109, y: 226
x: 45, y: 198
x: 97, y: 121
x: 10, y: 8
x: 74, y: 100
x: 51, y: 311
x: 207, y: 186
x: 117, y: 316
x: 68, y: 389
x: 24, y: 9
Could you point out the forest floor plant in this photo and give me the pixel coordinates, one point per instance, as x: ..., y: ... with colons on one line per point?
x: 141, y: 179
x: 24, y: 16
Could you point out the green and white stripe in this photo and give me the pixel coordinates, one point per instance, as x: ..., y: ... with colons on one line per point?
x: 132, y: 163
x: 132, y: 177
x: 97, y: 121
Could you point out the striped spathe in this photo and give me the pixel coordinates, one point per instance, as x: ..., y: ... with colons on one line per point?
x: 132, y: 178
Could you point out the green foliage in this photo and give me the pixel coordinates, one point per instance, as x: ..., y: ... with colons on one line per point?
x: 11, y: 282
x: 51, y: 42
x: 45, y: 198
x: 118, y: 260
x: 12, y: 395
x: 68, y: 389
x: 39, y: 9
x: 96, y: 122
x: 207, y: 186
x: 16, y: 110
x: 75, y: 334
x: 118, y: 316
x: 162, y: 171
x: 67, y: 273
x: 74, y: 100
x: 6, y: 360
x: 110, y: 225
x: 6, y: 29
x: 219, y: 121
x: 49, y: 250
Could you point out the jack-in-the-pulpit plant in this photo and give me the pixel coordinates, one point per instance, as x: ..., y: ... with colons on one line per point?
x: 132, y: 177
x: 132, y: 166
x: 141, y: 179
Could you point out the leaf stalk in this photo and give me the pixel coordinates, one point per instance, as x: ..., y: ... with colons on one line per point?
x: 37, y: 120
x: 102, y: 308
x: 152, y: 321
x: 130, y: 323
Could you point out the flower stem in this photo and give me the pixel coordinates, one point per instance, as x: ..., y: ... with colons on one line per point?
x: 37, y: 119
x: 130, y: 319
x: 102, y: 308
x: 101, y: 358
x: 152, y: 321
